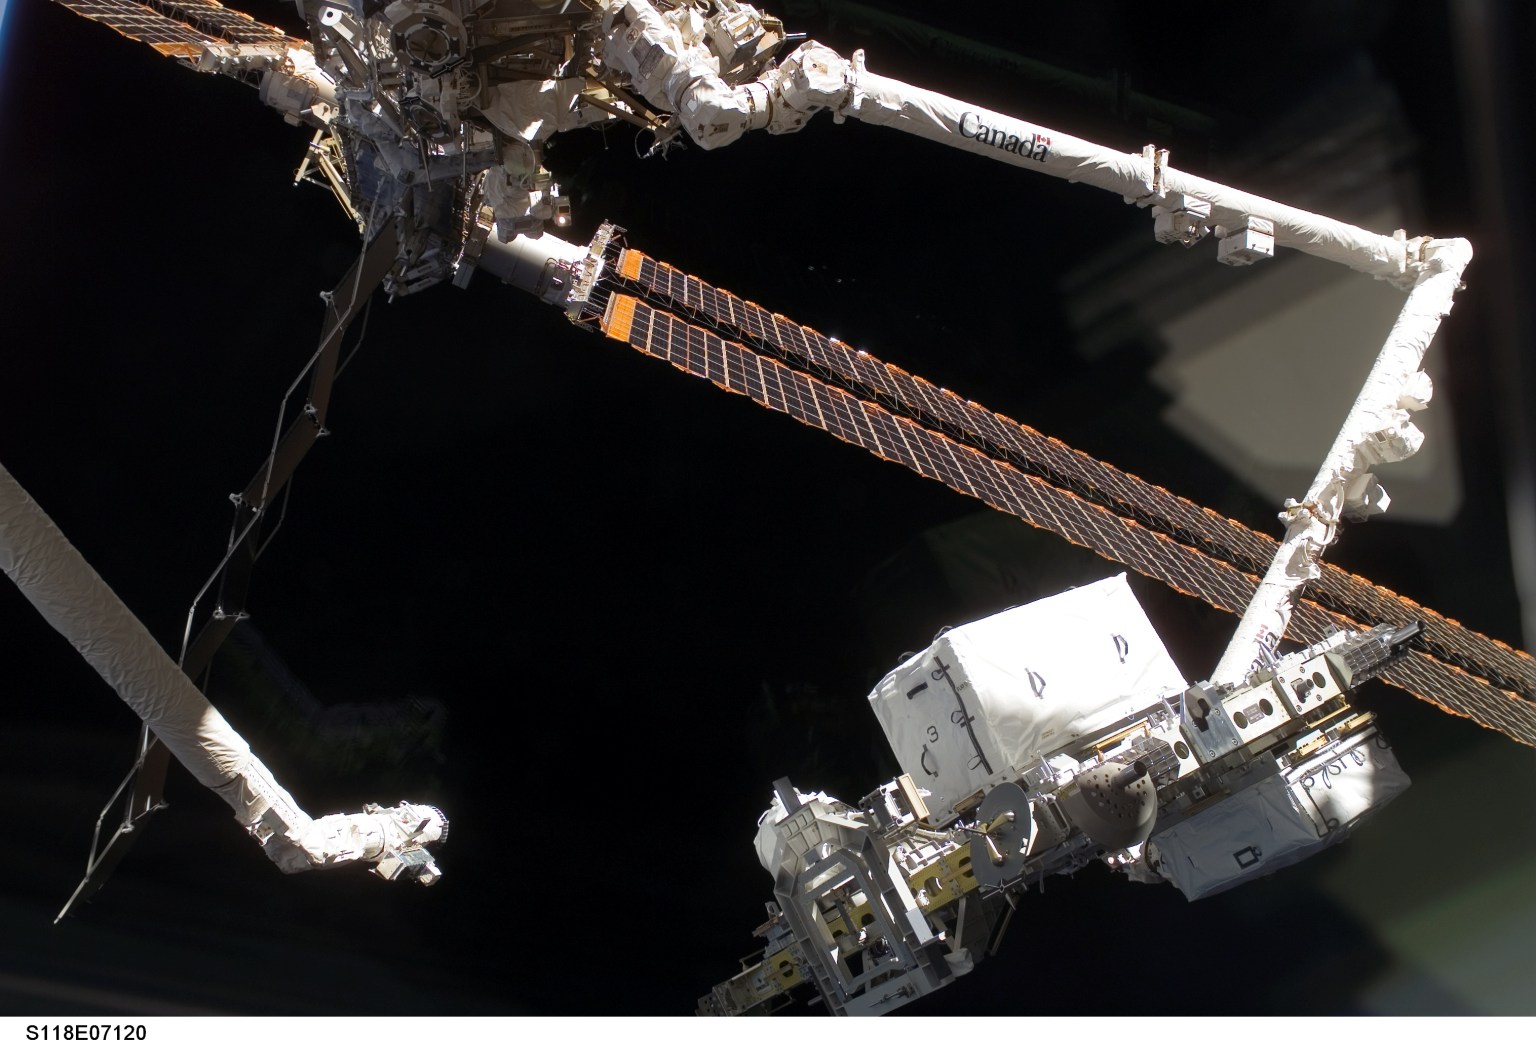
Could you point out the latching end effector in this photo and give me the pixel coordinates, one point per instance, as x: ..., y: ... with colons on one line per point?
x: 394, y: 840
x: 408, y: 857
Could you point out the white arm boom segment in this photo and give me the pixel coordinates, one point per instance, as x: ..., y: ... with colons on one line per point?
x: 1192, y: 205
x: 675, y: 72
x: 1376, y: 431
x: 74, y: 599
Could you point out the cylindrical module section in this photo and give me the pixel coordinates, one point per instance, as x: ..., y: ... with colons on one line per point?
x: 532, y: 264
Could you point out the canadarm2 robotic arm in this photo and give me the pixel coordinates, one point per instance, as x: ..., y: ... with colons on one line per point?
x: 682, y: 64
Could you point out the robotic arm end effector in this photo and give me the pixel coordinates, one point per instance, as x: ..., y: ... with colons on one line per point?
x: 394, y: 840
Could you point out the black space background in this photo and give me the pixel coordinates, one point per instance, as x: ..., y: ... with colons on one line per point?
x: 636, y: 599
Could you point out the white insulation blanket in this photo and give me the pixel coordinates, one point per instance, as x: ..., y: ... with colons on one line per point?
x: 74, y: 599
x: 1279, y: 821
x: 991, y: 698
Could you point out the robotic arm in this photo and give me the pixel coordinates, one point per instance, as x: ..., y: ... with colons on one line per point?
x: 74, y: 599
x: 691, y: 73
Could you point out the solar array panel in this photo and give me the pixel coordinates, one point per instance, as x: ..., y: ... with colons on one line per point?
x: 1127, y: 495
x: 177, y: 28
x: 1001, y: 484
x: 938, y: 407
x: 768, y: 382
x: 1454, y: 691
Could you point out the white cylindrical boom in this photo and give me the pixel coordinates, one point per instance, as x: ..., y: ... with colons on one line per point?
x: 677, y: 73
x: 1142, y: 178
x: 74, y: 599
x: 1377, y: 431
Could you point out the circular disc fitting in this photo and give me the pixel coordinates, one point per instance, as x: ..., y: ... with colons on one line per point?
x: 1007, y: 837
